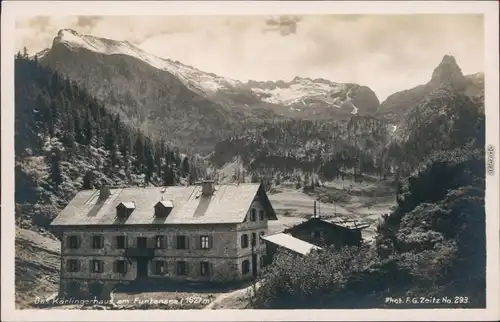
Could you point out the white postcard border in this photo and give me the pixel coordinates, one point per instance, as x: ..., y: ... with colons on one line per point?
x: 10, y: 9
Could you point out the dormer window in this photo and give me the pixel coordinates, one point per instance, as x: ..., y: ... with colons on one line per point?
x: 163, y: 208
x: 124, y: 209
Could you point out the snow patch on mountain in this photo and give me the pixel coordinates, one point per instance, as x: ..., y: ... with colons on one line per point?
x: 301, y: 96
x: 297, y: 90
x: 193, y: 78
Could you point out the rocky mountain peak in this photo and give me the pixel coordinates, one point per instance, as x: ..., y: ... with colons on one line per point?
x: 71, y: 31
x: 448, y: 72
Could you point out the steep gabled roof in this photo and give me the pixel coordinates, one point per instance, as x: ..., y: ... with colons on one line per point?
x: 228, y: 204
x: 165, y: 204
x: 126, y: 205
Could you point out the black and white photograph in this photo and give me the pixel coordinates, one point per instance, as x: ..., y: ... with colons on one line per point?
x: 338, y: 160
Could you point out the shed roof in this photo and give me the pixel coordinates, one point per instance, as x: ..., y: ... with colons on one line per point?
x: 228, y: 204
x: 340, y: 222
x: 289, y: 242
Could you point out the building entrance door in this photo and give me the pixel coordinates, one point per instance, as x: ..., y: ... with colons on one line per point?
x: 142, y: 267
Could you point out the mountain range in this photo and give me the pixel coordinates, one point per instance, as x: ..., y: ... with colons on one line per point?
x: 190, y: 107
x: 195, y: 110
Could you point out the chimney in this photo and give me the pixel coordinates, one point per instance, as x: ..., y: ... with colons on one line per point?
x: 104, y: 193
x: 207, y: 187
x: 314, y: 214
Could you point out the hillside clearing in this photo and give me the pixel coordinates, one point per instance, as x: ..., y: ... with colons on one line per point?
x: 37, y: 267
x: 366, y: 202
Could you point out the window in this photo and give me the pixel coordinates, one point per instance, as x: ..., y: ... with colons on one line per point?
x: 181, y: 268
x: 254, y: 239
x: 142, y: 242
x: 161, y: 242
x: 73, y: 288
x: 253, y: 214
x: 73, y: 265
x: 181, y: 242
x: 121, y: 266
x: 261, y: 214
x: 245, y: 267
x: 97, y: 242
x: 262, y: 260
x: 204, y: 268
x: 73, y: 242
x: 124, y: 209
x: 261, y: 234
x: 160, y: 267
x: 95, y: 289
x: 205, y: 242
x: 96, y: 266
x: 121, y: 242
x: 163, y: 208
x: 244, y: 241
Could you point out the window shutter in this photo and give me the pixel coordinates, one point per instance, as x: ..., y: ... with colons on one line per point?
x: 175, y: 241
x: 150, y: 242
x: 187, y: 268
x: 125, y: 267
x: 78, y: 241
x: 210, y: 241
x: 91, y: 265
x: 200, y: 241
x: 186, y: 240
x: 78, y: 265
x: 68, y: 241
x: 115, y: 266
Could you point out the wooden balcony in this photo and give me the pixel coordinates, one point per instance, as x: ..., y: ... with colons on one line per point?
x: 139, y: 252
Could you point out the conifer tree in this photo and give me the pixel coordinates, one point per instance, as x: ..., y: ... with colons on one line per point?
x: 55, y: 168
x: 185, y: 167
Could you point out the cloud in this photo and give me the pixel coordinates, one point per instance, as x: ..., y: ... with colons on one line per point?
x: 285, y: 25
x: 386, y: 52
x: 87, y: 21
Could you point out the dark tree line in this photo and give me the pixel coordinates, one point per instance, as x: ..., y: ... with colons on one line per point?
x: 360, y: 146
x: 59, y: 120
x: 331, y: 149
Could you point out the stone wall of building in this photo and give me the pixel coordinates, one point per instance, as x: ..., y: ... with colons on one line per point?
x: 224, y: 240
x: 219, y: 270
x: 258, y: 227
x: 225, y: 256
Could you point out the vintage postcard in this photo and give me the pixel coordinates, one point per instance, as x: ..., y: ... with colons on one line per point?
x: 259, y: 161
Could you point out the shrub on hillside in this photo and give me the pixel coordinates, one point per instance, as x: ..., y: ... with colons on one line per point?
x: 294, y: 281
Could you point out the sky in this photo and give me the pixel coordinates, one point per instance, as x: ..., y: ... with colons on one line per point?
x: 388, y: 53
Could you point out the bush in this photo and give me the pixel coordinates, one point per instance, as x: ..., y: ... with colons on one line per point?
x: 294, y: 281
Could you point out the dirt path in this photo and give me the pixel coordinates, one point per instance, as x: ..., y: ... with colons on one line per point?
x: 232, y: 299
